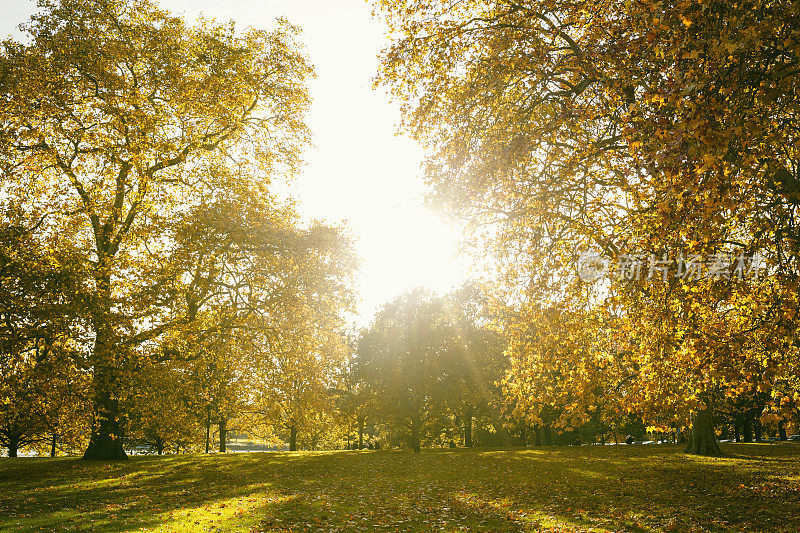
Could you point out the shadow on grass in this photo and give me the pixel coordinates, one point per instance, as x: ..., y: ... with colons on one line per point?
x: 646, y: 488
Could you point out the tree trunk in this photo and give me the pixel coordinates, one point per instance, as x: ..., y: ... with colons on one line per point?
x: 105, y: 442
x: 748, y: 430
x: 548, y: 436
x: 53, y: 446
x: 360, y: 432
x: 160, y: 446
x: 537, y: 436
x: 702, y: 440
x: 13, y: 445
x: 782, y: 430
x: 415, y: 434
x: 223, y: 434
x: 468, y: 427
x: 737, y: 431
x: 208, y: 432
x: 523, y: 434
x: 757, y: 429
x: 293, y: 437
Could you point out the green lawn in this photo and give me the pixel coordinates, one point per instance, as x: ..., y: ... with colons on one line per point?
x: 608, y: 488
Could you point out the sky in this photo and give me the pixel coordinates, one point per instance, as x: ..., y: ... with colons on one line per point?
x: 359, y: 170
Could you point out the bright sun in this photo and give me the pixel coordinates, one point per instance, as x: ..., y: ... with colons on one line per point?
x: 410, y: 247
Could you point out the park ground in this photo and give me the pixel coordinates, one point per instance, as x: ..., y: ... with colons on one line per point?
x: 590, y: 488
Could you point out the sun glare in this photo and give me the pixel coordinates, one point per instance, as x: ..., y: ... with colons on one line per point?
x: 408, y: 247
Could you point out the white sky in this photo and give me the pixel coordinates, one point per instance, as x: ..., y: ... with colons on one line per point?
x: 359, y: 170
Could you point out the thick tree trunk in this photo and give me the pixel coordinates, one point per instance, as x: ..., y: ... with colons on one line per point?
x: 53, y: 446
x: 548, y: 436
x: 702, y: 439
x: 468, y: 426
x: 782, y: 430
x: 537, y: 436
x: 757, y: 429
x: 223, y: 434
x: 415, y: 434
x: 13, y: 445
x: 105, y: 442
x: 360, y: 432
x: 737, y: 431
x: 748, y: 430
x: 293, y: 437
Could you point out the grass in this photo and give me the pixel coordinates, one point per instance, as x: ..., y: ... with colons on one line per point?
x: 602, y: 488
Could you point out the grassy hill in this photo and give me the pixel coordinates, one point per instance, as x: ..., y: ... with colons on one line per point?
x: 602, y: 488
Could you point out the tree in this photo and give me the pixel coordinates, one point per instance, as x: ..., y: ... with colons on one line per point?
x: 158, y: 410
x: 122, y: 118
x: 406, y: 358
x: 479, y: 363
x: 43, y: 387
x: 298, y: 354
x: 628, y: 127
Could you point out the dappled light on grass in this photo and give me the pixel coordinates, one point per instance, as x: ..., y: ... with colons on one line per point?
x: 568, y: 489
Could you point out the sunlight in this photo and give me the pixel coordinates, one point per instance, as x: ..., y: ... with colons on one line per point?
x: 407, y: 247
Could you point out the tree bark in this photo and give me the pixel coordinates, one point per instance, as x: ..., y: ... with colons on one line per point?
x: 208, y: 432
x: 748, y: 430
x: 782, y: 430
x: 293, y: 437
x: 360, y: 432
x: 468, y: 427
x: 13, y: 445
x: 523, y: 434
x: 702, y: 439
x: 757, y: 428
x: 53, y: 446
x: 548, y: 436
x: 223, y: 434
x: 415, y: 434
x: 105, y: 442
x: 737, y: 432
x: 537, y: 436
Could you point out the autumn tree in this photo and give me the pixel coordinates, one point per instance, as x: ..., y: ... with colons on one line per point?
x: 299, y: 348
x: 42, y: 365
x: 627, y: 127
x: 122, y: 119
x: 406, y: 357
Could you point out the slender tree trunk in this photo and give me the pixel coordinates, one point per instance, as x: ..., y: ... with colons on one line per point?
x: 702, y: 439
x: 468, y: 426
x: 360, y: 432
x: 208, y: 432
x: 537, y: 436
x: 782, y: 430
x: 415, y: 433
x: 293, y: 437
x: 223, y: 434
x: 737, y: 431
x: 523, y: 434
x: 53, y: 445
x: 105, y: 442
